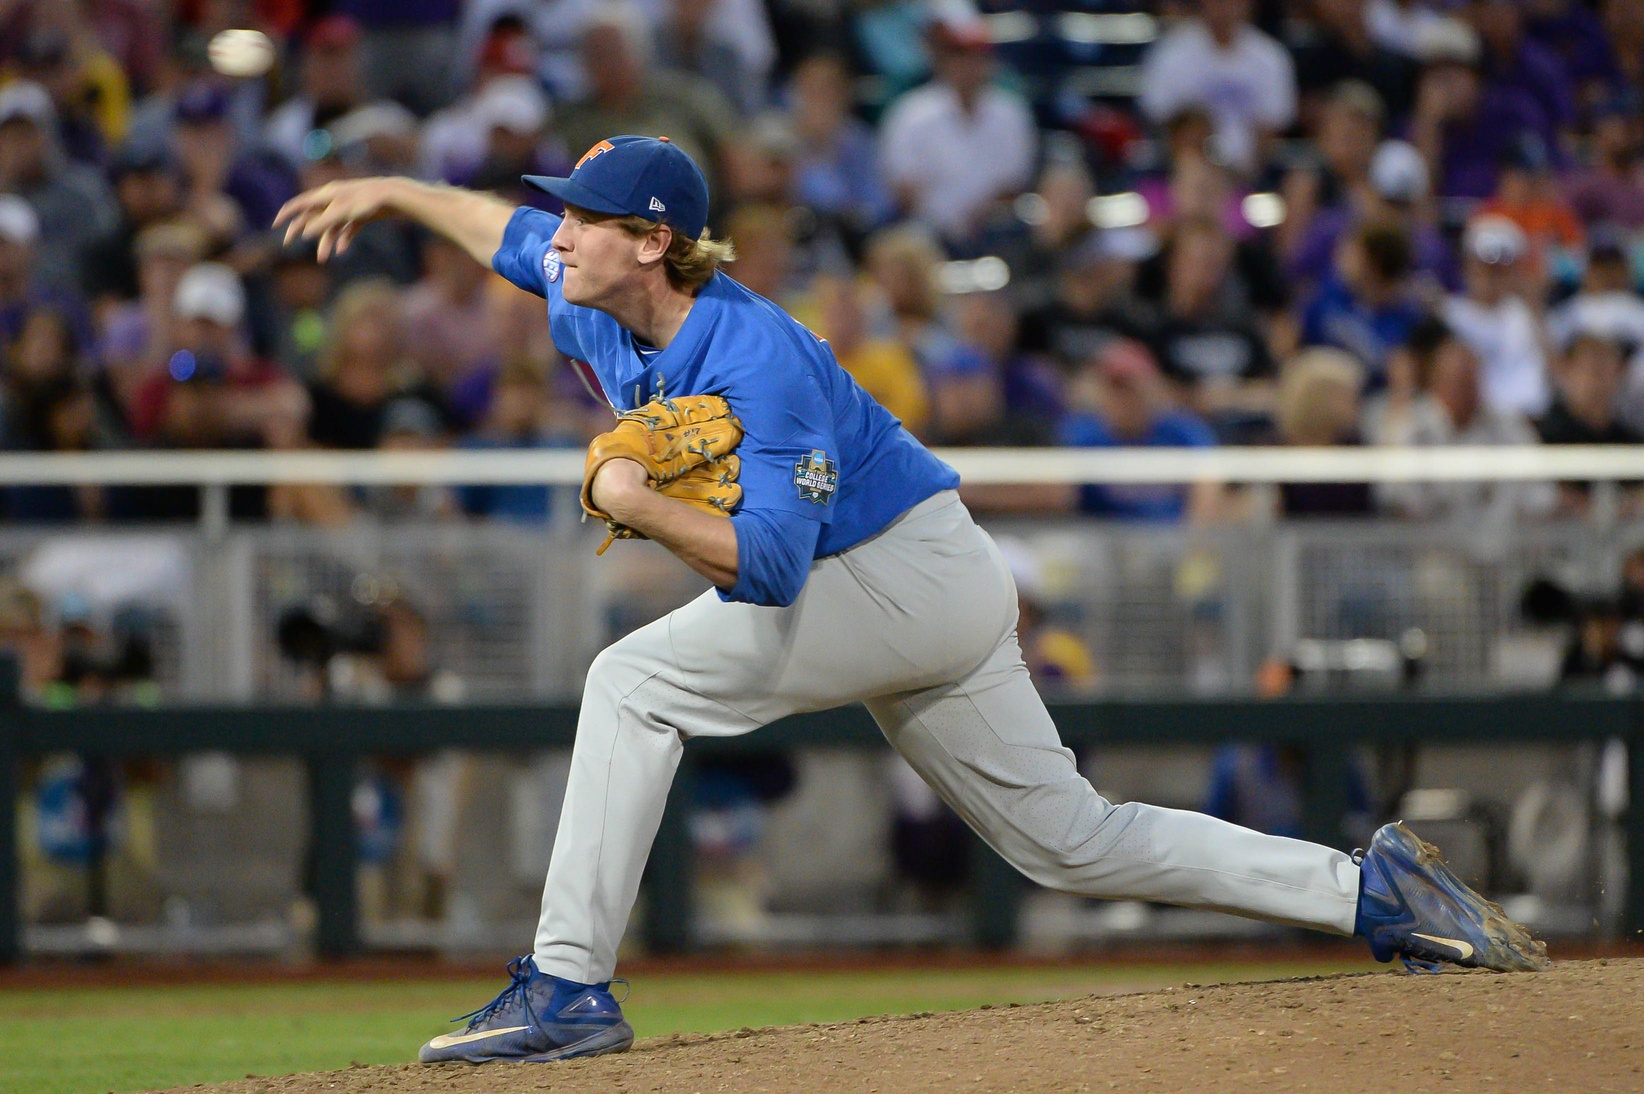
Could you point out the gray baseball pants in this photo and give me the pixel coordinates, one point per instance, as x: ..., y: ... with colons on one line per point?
x: 919, y: 623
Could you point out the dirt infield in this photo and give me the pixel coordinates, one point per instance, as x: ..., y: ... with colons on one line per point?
x: 1579, y: 1026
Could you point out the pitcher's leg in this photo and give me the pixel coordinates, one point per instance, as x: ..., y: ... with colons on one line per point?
x: 989, y: 747
x: 634, y: 709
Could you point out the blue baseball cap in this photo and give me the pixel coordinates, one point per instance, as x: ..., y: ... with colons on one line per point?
x: 635, y: 176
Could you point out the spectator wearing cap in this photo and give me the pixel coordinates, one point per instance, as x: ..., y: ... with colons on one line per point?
x: 727, y: 42
x: 1119, y: 399
x: 513, y: 116
x: 1332, y: 42
x: 1367, y: 307
x: 1499, y: 320
x: 627, y: 93
x: 1587, y: 407
x: 148, y: 189
x: 957, y: 145
x: 230, y: 190
x: 457, y: 140
x: 71, y: 200
x: 1463, y: 124
x: 212, y: 392
x: 381, y: 136
x: 299, y: 296
x: 383, y: 249
x: 330, y: 87
x: 1447, y: 408
x: 134, y: 336
x: 1610, y: 189
x: 89, y: 89
x: 553, y: 32
x: 1394, y: 192
x: 837, y: 172
x: 1528, y: 194
x: 1218, y: 60
x: 1608, y: 305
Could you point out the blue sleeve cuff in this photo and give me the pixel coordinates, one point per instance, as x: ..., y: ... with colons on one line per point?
x: 525, y: 243
x: 774, y: 552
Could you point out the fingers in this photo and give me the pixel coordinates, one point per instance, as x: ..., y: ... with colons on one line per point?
x: 304, y: 202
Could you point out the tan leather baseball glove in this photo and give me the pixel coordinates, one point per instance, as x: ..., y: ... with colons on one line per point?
x: 685, y: 447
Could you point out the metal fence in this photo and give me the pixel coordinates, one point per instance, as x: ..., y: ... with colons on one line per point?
x: 518, y: 613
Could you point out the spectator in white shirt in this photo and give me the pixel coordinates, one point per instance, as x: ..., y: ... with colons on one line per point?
x: 1447, y: 408
x: 1607, y: 306
x: 1220, y: 62
x: 1493, y: 317
x: 953, y: 147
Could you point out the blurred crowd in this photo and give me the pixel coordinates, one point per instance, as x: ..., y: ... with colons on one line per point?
x: 1198, y: 222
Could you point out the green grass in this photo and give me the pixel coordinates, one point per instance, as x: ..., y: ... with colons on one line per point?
x: 91, y: 1040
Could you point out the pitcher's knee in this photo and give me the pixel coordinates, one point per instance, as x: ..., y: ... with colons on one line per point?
x: 622, y: 667
x: 1061, y: 849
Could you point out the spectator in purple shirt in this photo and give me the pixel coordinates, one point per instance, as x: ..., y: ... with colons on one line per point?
x: 1512, y: 60
x: 1464, y: 124
x: 1573, y: 32
x: 1610, y: 190
x: 1397, y: 192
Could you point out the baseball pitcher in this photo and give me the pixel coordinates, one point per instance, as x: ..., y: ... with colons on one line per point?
x: 846, y: 569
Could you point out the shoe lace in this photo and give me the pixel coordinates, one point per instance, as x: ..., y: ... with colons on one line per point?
x: 520, y: 971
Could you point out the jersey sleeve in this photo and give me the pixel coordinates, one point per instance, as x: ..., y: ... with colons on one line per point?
x: 774, y: 552
x: 523, y: 256
x: 790, y: 458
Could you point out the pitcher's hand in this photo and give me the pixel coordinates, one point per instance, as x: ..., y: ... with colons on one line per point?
x: 335, y: 211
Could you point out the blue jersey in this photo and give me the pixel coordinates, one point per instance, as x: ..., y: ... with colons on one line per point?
x: 824, y: 467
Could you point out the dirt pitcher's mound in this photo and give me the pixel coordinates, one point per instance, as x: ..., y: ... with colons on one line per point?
x: 1579, y: 1026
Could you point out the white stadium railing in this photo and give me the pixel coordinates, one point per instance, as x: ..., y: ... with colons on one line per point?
x: 977, y: 466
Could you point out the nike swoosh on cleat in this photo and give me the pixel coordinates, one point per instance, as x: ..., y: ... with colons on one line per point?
x: 1464, y: 948
x: 447, y: 1040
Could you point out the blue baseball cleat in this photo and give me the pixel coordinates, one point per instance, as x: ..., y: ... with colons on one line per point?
x: 1412, y: 906
x: 537, y: 1018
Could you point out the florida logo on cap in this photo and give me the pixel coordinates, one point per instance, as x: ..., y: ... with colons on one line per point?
x: 602, y: 146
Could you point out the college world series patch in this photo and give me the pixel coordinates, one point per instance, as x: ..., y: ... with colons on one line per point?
x: 816, y: 478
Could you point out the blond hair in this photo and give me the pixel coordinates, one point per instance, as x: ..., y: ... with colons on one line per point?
x: 359, y: 301
x: 689, y: 263
x: 1305, y: 412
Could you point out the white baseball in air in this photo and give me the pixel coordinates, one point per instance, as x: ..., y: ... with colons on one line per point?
x: 243, y: 53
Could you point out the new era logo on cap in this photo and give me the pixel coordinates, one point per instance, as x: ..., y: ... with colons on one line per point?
x: 646, y: 177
